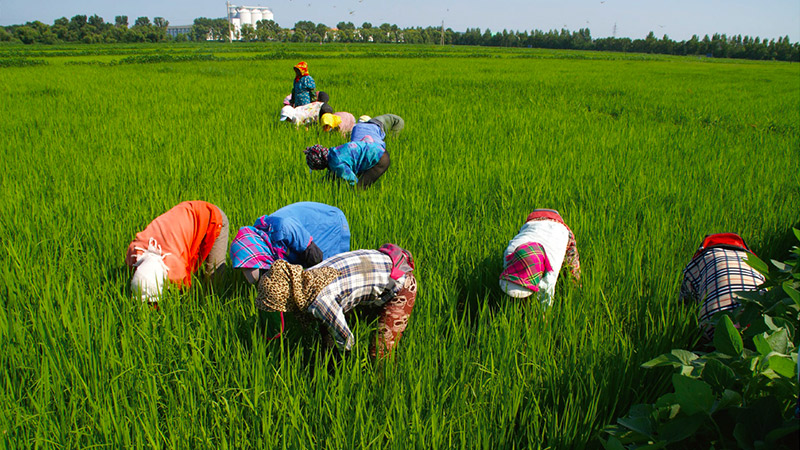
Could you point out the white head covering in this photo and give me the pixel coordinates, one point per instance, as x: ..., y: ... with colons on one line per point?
x: 287, y: 113
x: 515, y: 290
x: 150, y: 273
x: 364, y: 118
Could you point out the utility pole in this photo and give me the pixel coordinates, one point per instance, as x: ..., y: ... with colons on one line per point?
x: 442, y: 43
x: 228, y: 10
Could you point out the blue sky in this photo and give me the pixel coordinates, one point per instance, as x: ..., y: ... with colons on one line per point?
x: 679, y: 19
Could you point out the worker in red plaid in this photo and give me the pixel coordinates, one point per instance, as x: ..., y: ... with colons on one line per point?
x: 381, y: 278
x: 534, y: 257
x: 716, y: 272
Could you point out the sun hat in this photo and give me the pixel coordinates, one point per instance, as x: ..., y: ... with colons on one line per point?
x: 287, y: 287
x: 330, y: 120
x: 364, y: 118
x: 149, y: 273
x: 316, y: 157
x: 287, y: 113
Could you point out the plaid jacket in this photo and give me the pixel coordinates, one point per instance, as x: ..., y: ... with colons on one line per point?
x: 365, y: 279
x: 712, y: 278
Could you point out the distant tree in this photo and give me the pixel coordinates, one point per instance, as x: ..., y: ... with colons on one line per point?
x: 201, y: 29
x: 267, y: 30
x: 366, y: 25
x: 298, y: 36
x: 160, y: 22
x: 26, y: 34
x: 96, y: 21
x: 345, y: 26
x: 142, y: 22
x: 321, y: 28
x: 77, y: 22
x: 307, y: 27
x: 5, y: 36
x: 247, y: 32
x: 121, y: 21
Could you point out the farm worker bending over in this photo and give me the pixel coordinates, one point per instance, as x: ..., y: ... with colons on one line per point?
x: 717, y: 271
x: 533, y: 258
x: 342, y: 121
x: 306, y: 114
x: 302, y: 233
x: 174, y: 245
x: 367, y: 160
x: 390, y: 124
x: 330, y: 289
x: 303, y: 91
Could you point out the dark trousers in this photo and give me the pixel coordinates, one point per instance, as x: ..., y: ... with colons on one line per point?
x: 373, y: 173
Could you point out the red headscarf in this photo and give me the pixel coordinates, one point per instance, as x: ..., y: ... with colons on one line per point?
x: 303, y: 68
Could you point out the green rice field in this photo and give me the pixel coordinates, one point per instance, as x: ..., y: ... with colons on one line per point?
x: 643, y: 155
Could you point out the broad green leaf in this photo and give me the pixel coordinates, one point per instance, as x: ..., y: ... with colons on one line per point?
x: 729, y: 398
x: 779, y: 341
x: 662, y: 360
x: 667, y: 406
x: 796, y: 233
x: 783, y: 267
x: 681, y: 428
x: 694, y: 396
x: 666, y: 400
x: 762, y: 346
x: 793, y: 293
x: 749, y: 296
x: 778, y: 433
x: 612, y: 444
x: 771, y: 323
x: 756, y: 263
x: 727, y: 338
x: 782, y: 365
x: 641, y: 425
x: 684, y: 356
x: 718, y: 375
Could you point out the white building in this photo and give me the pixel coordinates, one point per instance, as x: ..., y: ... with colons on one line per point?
x: 246, y: 15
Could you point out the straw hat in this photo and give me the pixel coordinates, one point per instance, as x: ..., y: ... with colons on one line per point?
x: 287, y: 287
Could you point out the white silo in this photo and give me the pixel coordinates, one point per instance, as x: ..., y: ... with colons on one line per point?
x: 256, y: 16
x: 244, y: 15
x: 266, y: 14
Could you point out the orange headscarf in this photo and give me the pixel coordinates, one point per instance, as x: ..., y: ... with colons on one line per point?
x: 303, y: 68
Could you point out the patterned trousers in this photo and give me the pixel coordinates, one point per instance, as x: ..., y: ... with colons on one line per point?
x: 394, y: 319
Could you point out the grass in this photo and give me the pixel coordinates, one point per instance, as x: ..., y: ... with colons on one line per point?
x: 642, y: 155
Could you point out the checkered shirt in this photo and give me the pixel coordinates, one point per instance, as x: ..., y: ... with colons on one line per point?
x: 364, y: 280
x: 712, y: 278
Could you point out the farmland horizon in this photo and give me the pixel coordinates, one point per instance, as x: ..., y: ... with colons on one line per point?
x: 606, y: 18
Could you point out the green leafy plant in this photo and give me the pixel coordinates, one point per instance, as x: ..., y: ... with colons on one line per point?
x: 743, y: 393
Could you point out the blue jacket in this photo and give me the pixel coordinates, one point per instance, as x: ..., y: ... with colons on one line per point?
x: 295, y: 226
x: 349, y: 160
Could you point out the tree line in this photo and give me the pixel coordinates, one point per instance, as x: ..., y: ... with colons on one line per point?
x: 95, y: 30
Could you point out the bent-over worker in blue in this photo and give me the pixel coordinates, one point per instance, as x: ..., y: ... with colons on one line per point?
x: 302, y: 233
x: 357, y: 162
